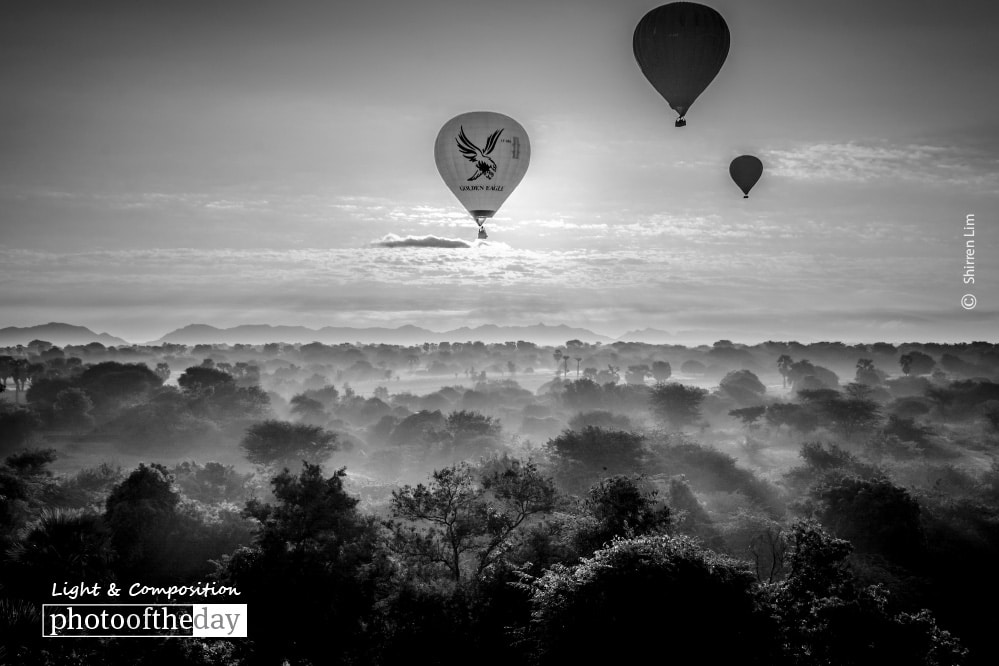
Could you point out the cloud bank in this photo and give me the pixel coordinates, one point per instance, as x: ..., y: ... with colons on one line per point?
x: 392, y: 240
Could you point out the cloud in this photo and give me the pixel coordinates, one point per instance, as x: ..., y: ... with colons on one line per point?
x: 867, y: 162
x: 768, y: 290
x: 392, y: 240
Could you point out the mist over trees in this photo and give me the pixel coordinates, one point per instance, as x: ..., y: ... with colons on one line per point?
x: 776, y: 503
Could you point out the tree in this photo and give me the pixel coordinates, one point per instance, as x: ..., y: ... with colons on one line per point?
x: 693, y: 367
x: 677, y: 405
x: 71, y: 409
x: 624, y: 506
x: 612, y: 596
x: 612, y: 375
x: 798, y: 417
x: 469, y: 433
x: 636, y: 374
x: 784, y: 363
x: 584, y: 456
x: 26, y: 486
x: 246, y: 375
x: 215, y: 394
x: 313, y: 540
x: 42, y: 394
x: 874, y: 514
x: 62, y: 545
x: 847, y: 414
x: 15, y: 368
x: 917, y: 363
x: 582, y: 394
x: 419, y: 428
x: 111, y: 383
x: 867, y: 374
x: 769, y: 549
x: 826, y: 616
x: 162, y: 371
x: 749, y: 416
x: 203, y: 379
x: 19, y: 370
x: 275, y: 443
x: 661, y: 371
x: 743, y: 386
x: 18, y: 426
x: 142, y: 514
x: 39, y: 346
x: 803, y: 375
x: 327, y: 395
x: 212, y: 482
x: 459, y: 516
x: 307, y: 409
x: 905, y: 361
x: 600, y: 418
x: 922, y: 364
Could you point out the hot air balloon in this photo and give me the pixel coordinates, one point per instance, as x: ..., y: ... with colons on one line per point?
x: 745, y: 171
x: 482, y: 156
x: 680, y: 48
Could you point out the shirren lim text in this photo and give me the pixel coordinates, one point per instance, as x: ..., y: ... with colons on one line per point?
x: 969, y: 249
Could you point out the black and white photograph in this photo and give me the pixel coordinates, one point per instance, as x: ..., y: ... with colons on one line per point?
x: 540, y: 332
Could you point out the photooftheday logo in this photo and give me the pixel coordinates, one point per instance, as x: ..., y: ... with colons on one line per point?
x: 144, y: 620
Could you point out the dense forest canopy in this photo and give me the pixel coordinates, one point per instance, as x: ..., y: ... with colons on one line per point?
x: 512, y: 503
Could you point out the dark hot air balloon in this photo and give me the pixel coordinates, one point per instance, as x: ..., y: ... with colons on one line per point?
x: 745, y: 171
x: 680, y: 48
x: 482, y: 156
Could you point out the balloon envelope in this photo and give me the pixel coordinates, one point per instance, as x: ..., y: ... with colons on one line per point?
x: 680, y: 48
x: 745, y: 171
x: 482, y: 156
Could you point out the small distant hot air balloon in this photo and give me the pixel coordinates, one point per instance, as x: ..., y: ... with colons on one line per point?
x: 745, y: 171
x: 482, y: 156
x: 681, y: 48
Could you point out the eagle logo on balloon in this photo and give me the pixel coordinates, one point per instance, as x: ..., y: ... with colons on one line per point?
x: 484, y: 165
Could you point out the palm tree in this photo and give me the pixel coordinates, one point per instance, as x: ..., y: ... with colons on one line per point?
x: 578, y: 359
x: 866, y: 372
x: 67, y: 545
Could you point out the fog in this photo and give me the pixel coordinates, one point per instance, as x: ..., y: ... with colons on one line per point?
x: 880, y: 456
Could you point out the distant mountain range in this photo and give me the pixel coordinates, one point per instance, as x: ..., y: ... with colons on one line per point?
x: 58, y: 334
x: 653, y: 336
x: 255, y: 334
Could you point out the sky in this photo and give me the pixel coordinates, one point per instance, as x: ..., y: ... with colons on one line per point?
x: 271, y: 162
